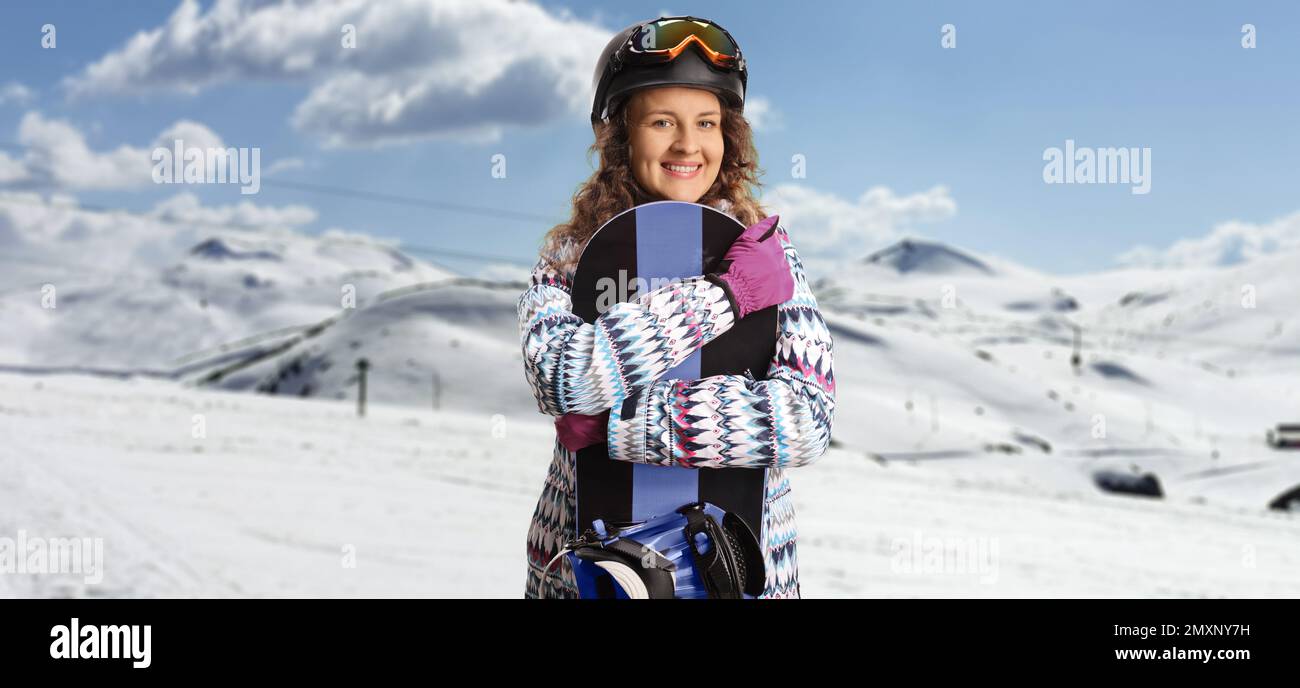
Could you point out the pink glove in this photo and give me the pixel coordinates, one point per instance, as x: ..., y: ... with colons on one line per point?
x: 577, y: 430
x: 754, y: 273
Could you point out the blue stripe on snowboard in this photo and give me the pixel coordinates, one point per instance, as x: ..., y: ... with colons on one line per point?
x: 668, y: 245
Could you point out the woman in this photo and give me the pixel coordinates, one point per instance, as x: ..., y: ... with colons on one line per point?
x: 669, y: 126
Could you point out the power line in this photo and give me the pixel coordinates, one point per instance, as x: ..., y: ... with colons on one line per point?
x: 358, y: 194
x: 396, y: 199
x: 176, y: 221
x: 410, y: 200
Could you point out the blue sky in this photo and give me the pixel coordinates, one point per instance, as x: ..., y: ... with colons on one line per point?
x: 862, y: 89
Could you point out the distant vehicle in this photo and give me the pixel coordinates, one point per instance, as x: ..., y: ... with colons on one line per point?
x: 1285, y: 436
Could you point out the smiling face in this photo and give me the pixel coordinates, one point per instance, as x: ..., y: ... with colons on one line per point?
x: 676, y: 137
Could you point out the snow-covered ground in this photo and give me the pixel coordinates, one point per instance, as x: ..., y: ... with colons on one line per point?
x: 437, y: 504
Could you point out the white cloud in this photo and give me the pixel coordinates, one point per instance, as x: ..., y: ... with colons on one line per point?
x: 761, y: 115
x: 56, y: 154
x: 1229, y: 243
x: 192, y: 134
x: 186, y: 208
x: 340, y: 234
x: 57, y: 231
x: 420, y: 68
x: 11, y: 170
x: 502, y: 272
x: 16, y: 93
x: 825, y: 223
x: 285, y: 164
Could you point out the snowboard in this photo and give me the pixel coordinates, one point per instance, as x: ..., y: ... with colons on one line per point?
x: 664, y: 240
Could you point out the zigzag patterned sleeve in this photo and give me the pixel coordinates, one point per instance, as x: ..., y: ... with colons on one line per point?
x: 725, y: 421
x: 576, y: 367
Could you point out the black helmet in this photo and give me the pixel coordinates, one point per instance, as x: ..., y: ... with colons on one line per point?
x: 616, y: 76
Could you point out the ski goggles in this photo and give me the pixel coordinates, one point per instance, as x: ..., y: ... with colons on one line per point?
x: 665, y: 38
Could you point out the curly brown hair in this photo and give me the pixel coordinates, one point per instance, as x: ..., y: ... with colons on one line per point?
x: 612, y: 188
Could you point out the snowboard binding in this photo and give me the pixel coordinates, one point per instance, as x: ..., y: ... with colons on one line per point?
x: 698, y: 551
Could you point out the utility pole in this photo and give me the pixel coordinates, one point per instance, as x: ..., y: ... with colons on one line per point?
x: 437, y: 390
x: 1076, y: 360
x: 362, y: 366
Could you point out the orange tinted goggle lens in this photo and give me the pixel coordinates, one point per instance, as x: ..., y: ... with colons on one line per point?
x: 667, y: 38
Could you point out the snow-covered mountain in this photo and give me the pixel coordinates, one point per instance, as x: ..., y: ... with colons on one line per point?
x: 1179, y: 373
x: 230, y: 286
x: 939, y: 352
x: 913, y: 256
x: 449, y: 344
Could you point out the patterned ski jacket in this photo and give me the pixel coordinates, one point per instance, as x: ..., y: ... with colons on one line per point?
x: 778, y: 423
